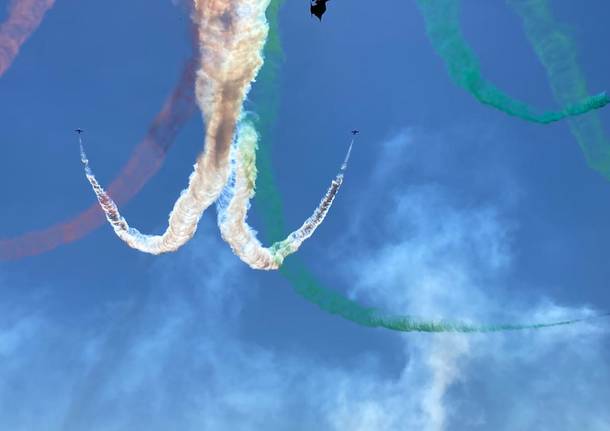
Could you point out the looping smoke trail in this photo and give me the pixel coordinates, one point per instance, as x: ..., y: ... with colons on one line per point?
x: 233, y: 208
x: 558, y: 54
x: 231, y: 38
x: 443, y: 28
x: 24, y: 17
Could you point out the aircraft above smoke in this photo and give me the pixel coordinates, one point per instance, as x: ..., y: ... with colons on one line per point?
x: 318, y: 8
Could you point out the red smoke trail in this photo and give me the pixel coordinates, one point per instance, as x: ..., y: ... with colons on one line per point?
x: 24, y: 17
x: 144, y: 163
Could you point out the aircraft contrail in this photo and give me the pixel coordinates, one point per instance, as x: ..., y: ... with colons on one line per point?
x: 233, y: 208
x: 231, y: 38
x: 24, y: 17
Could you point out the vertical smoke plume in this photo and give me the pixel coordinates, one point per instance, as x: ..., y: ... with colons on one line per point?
x: 233, y: 208
x: 443, y: 28
x: 24, y: 17
x: 558, y: 54
x: 231, y: 36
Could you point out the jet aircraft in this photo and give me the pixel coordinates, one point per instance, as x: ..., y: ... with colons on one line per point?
x: 318, y: 8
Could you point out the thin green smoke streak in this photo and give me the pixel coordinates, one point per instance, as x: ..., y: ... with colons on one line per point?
x: 442, y: 19
x: 269, y: 201
x: 333, y: 302
x: 269, y: 205
x: 558, y: 54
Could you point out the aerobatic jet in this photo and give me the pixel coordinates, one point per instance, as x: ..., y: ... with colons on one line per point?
x: 318, y: 8
x: 79, y: 131
x: 355, y: 132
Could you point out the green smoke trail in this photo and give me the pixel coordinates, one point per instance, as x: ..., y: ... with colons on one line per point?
x: 558, y: 54
x: 269, y: 206
x: 269, y: 201
x: 443, y: 28
x: 333, y: 302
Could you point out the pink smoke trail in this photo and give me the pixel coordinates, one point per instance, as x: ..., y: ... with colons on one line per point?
x: 24, y: 17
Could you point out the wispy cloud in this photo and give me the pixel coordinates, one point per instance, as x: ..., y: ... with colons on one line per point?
x: 176, y: 356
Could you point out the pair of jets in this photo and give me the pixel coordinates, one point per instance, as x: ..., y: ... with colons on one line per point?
x: 80, y: 131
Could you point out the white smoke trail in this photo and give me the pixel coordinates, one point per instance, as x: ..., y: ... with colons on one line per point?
x: 234, y: 205
x: 231, y: 37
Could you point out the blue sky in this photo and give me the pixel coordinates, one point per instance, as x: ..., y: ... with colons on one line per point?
x: 449, y: 210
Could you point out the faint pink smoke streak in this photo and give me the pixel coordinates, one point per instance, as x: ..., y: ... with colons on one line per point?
x: 24, y: 17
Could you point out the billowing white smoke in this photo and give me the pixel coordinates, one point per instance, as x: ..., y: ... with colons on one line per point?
x: 231, y: 37
x: 233, y: 208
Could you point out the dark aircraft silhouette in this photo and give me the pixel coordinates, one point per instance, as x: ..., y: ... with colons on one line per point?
x: 355, y: 132
x: 318, y: 8
x: 79, y: 131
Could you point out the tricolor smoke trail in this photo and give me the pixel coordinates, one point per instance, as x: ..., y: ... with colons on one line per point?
x: 443, y: 28
x: 558, y: 54
x: 24, y: 17
x: 233, y: 208
x: 231, y: 37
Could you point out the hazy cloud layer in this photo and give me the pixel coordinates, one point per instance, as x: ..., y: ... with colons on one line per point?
x: 175, y: 356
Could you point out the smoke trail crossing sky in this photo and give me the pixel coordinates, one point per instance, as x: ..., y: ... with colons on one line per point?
x: 558, y: 54
x: 233, y: 210
x: 443, y: 28
x: 24, y: 17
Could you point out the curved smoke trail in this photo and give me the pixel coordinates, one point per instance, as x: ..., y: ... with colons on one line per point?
x: 300, y: 278
x: 558, y: 54
x: 145, y: 161
x: 231, y: 38
x: 24, y: 17
x: 443, y: 28
x: 305, y: 284
x: 234, y: 205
